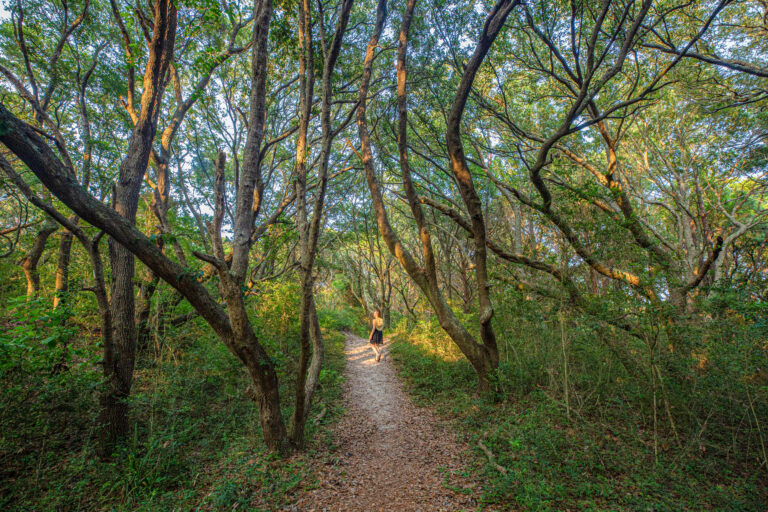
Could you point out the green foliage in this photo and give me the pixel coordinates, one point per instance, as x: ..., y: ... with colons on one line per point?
x: 344, y: 319
x: 601, y: 458
x: 36, y: 337
x: 196, y: 441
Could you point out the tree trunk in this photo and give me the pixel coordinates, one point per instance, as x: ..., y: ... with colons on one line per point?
x: 267, y: 398
x: 118, y: 372
x: 301, y: 404
x: 62, y: 267
x: 32, y: 258
x: 310, y: 231
x: 306, y: 95
x: 146, y: 291
x: 483, y: 357
x: 463, y: 176
x: 318, y: 355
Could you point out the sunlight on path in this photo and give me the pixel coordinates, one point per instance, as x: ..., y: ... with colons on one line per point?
x: 392, y: 455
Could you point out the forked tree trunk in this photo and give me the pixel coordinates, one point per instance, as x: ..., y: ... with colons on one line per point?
x: 118, y: 372
x: 309, y: 231
x: 306, y: 96
x: 463, y: 176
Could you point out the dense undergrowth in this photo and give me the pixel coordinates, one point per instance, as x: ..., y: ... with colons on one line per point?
x: 600, y: 450
x: 690, y: 438
x: 196, y: 441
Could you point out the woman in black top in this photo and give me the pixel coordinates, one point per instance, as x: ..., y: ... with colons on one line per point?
x: 376, y: 338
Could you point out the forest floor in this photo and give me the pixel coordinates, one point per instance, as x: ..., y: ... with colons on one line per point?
x: 389, y: 453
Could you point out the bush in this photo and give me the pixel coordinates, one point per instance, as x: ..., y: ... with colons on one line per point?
x: 345, y: 318
x: 604, y: 451
x: 196, y: 441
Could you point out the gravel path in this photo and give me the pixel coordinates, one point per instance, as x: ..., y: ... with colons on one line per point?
x: 391, y: 455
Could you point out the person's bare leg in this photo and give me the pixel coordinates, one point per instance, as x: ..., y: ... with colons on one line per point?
x: 375, y: 351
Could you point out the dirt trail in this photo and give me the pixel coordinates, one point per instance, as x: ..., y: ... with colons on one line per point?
x: 392, y: 455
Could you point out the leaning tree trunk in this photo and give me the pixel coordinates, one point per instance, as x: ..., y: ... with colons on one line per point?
x: 463, y: 177
x: 482, y: 357
x: 30, y: 261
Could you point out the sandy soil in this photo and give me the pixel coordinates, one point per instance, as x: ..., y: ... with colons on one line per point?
x: 391, y: 455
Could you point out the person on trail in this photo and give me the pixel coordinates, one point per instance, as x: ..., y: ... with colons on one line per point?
x: 376, y: 338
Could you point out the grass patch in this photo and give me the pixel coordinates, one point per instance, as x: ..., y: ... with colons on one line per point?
x: 598, y: 460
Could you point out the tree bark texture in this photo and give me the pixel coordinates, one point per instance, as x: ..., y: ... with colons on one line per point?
x: 119, y: 372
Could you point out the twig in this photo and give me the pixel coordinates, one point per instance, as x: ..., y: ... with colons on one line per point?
x: 757, y: 424
x: 321, y: 414
x: 489, y: 454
